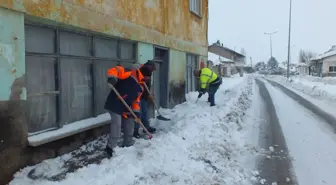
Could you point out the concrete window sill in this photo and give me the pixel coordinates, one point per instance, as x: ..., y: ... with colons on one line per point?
x: 68, y: 130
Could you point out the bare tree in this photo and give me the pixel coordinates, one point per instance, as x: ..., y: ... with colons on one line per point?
x: 305, y: 56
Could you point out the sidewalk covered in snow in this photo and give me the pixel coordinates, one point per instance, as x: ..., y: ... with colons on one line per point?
x: 201, y: 145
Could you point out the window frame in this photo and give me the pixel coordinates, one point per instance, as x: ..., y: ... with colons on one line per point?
x: 194, y: 65
x: 193, y: 7
x: 333, y: 67
x: 94, y: 61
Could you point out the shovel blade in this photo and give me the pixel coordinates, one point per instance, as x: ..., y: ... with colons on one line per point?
x: 160, y: 117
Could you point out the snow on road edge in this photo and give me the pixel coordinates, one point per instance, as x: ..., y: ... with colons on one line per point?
x: 199, y: 147
x: 322, y: 89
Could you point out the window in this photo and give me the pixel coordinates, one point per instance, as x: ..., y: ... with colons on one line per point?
x: 42, y: 92
x: 332, y: 69
x: 106, y: 48
x: 66, y: 74
x: 127, y: 50
x: 196, y: 6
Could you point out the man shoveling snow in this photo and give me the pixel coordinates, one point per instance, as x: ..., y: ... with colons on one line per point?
x: 210, y: 80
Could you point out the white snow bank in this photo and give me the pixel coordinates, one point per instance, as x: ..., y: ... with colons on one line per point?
x: 320, y: 88
x: 202, y: 145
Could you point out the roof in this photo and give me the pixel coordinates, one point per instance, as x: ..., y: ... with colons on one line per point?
x: 301, y: 64
x: 325, y: 55
x: 227, y: 49
x: 216, y: 59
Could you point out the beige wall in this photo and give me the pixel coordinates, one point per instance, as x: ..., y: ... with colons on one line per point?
x: 163, y: 22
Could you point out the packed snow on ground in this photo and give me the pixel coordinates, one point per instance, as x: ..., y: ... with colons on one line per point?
x: 320, y: 88
x: 310, y: 141
x: 202, y: 145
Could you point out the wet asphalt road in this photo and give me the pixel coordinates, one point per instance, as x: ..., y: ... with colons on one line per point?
x: 276, y: 165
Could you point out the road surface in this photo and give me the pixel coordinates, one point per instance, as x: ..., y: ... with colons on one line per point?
x: 300, y: 136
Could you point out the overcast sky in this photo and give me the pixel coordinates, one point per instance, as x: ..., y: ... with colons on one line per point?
x: 242, y: 23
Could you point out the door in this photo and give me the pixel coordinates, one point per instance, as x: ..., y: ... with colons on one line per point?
x: 191, y: 83
x: 160, y: 80
x: 156, y: 83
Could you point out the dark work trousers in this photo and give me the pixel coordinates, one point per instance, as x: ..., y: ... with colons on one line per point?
x: 212, y: 91
x: 144, y: 114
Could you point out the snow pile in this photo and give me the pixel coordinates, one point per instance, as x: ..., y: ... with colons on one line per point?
x: 202, y: 145
x: 320, y: 88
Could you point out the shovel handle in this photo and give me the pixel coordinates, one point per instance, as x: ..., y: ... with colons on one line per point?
x: 147, y: 89
x: 130, y: 110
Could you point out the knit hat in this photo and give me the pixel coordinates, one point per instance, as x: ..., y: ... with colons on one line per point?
x: 150, y: 62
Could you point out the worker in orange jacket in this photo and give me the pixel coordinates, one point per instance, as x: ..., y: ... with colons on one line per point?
x: 128, y: 83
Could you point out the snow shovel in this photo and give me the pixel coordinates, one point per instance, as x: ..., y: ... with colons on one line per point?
x: 159, y: 117
x: 150, y: 136
x: 197, y: 100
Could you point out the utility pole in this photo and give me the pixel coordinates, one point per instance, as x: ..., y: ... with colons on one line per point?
x: 251, y: 61
x: 270, y: 35
x: 289, y: 36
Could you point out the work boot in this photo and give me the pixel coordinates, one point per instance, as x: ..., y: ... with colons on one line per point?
x: 151, y: 129
x: 128, y: 143
x: 136, y: 134
x: 109, y: 151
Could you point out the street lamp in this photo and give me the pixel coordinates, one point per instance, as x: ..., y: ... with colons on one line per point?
x: 270, y: 35
x: 289, y: 35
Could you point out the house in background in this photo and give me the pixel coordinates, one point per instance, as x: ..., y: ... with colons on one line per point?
x: 324, y: 64
x: 302, y: 68
x: 220, y: 65
x: 238, y: 58
x: 54, y: 57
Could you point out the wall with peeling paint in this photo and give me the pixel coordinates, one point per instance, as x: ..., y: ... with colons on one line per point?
x: 145, y: 52
x: 177, y: 80
x: 13, y: 131
x: 167, y: 23
x: 12, y: 54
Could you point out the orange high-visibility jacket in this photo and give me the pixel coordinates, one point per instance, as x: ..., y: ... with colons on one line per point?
x: 129, y: 87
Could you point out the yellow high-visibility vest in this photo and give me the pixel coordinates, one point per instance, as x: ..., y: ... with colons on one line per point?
x: 206, y: 77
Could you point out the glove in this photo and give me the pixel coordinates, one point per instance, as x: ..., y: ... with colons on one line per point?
x: 147, y: 78
x: 137, y: 120
x: 150, y: 97
x: 112, y: 80
x: 130, y: 115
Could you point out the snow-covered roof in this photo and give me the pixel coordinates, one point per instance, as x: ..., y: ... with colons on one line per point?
x: 325, y: 55
x: 216, y: 59
x: 301, y: 64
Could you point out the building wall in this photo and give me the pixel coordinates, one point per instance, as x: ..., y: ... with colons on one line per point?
x: 303, y: 70
x: 177, y: 74
x: 166, y: 23
x: 330, y: 61
x: 170, y: 24
x: 12, y: 53
x: 145, y: 52
x: 13, y: 134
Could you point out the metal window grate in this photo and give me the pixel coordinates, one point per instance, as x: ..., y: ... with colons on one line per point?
x: 196, y: 6
x: 66, y: 74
